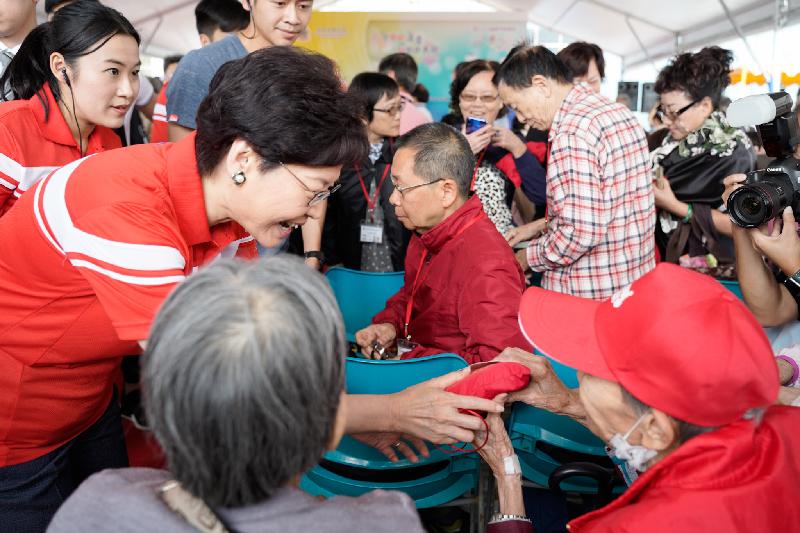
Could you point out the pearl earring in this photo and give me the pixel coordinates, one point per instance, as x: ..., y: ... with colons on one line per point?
x: 239, y: 178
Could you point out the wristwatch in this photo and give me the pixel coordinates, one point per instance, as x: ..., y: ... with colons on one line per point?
x: 316, y: 254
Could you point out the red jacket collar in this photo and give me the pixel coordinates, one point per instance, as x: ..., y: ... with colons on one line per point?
x: 436, y: 238
x: 55, y: 128
x: 186, y: 191
x: 723, y: 459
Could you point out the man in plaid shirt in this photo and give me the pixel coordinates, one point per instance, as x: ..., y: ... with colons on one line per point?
x: 598, y: 235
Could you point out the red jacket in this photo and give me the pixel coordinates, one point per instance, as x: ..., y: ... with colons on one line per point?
x: 469, y: 291
x: 740, y: 478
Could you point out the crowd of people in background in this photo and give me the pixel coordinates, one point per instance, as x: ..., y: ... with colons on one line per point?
x: 113, y: 246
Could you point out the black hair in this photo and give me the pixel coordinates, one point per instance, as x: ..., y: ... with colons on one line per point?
x: 577, y: 56
x: 51, y: 5
x: 227, y: 15
x: 404, y: 68
x: 699, y: 75
x: 76, y: 30
x: 288, y: 104
x: 421, y: 94
x: 441, y: 152
x: 369, y: 87
x: 464, y: 72
x: 525, y: 61
x: 172, y: 60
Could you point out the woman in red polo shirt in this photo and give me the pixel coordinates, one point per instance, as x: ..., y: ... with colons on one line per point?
x: 106, y: 238
x: 73, y: 80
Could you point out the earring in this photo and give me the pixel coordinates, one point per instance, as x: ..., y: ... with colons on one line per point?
x: 239, y: 178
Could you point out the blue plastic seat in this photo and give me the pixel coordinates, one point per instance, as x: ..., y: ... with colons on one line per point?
x: 352, y: 469
x: 734, y: 287
x: 362, y: 295
x: 534, y: 432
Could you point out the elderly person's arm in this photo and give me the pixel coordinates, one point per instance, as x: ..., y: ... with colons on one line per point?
x: 425, y: 411
x: 580, y: 209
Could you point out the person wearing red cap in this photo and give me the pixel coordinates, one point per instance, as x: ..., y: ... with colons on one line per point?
x: 678, y: 377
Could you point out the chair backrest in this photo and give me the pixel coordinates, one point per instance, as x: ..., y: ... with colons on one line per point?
x: 365, y: 376
x: 733, y: 286
x: 362, y: 295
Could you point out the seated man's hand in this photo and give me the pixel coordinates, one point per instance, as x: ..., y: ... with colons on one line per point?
x: 782, y: 244
x: 385, y: 334
x: 546, y: 390
x: 390, y: 443
x: 429, y: 412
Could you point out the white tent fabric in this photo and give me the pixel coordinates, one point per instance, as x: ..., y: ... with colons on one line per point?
x: 640, y: 31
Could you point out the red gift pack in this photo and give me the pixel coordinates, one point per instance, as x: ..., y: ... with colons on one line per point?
x: 489, y: 380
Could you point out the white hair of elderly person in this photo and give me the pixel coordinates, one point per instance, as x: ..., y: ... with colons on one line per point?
x: 243, y: 378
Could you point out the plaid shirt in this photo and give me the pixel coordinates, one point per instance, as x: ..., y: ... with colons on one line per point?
x: 601, y: 214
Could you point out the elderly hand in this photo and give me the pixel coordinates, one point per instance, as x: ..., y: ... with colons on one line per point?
x: 429, y: 412
x: 782, y: 244
x: 389, y: 443
x: 478, y: 140
x: 498, y: 444
x: 526, y: 232
x: 731, y: 183
x: 508, y: 140
x: 546, y: 390
x: 382, y: 333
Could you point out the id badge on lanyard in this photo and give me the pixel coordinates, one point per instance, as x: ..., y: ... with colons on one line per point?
x: 371, y: 232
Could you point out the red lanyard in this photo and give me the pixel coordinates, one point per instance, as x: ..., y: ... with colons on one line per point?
x: 418, y: 277
x: 372, y: 202
x: 475, y: 173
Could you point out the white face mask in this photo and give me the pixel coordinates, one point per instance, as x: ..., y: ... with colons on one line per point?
x: 637, y: 457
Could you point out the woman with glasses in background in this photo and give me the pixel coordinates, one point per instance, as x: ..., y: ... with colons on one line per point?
x: 700, y: 150
x: 504, y: 162
x: 361, y: 230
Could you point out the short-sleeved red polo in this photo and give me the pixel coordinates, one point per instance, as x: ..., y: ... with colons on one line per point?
x: 87, y: 257
x: 32, y: 146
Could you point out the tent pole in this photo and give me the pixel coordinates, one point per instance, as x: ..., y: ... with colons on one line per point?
x: 739, y: 32
x: 641, y: 44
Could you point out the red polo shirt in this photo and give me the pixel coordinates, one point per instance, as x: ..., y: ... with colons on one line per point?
x: 32, y: 147
x: 105, y: 240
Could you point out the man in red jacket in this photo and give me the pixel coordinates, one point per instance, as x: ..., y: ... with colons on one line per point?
x: 679, y: 378
x: 462, y: 284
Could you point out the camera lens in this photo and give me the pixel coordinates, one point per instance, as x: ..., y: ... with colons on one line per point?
x: 753, y: 205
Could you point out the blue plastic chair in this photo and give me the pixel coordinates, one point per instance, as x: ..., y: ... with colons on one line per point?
x: 351, y: 469
x: 362, y: 295
x: 529, y: 426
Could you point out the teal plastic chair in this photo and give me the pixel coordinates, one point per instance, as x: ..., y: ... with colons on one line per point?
x: 734, y: 287
x: 545, y: 441
x: 362, y: 295
x: 355, y: 468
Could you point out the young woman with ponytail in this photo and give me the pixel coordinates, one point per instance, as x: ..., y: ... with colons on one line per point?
x: 73, y: 80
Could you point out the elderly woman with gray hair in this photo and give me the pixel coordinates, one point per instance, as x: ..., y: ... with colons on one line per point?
x: 244, y: 388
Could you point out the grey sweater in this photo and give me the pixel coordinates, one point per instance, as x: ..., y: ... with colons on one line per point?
x: 126, y: 500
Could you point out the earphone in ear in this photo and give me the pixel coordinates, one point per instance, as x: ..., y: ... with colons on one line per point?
x: 66, y: 78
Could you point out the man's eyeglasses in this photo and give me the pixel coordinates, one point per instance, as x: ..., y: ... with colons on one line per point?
x: 394, y: 110
x: 672, y: 116
x: 485, y: 98
x: 403, y: 190
x: 319, y: 196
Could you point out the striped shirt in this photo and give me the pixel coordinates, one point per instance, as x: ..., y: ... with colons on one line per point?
x: 105, y: 240
x: 31, y: 146
x: 600, y: 206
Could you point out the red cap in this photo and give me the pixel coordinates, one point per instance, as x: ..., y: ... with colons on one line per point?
x: 677, y: 340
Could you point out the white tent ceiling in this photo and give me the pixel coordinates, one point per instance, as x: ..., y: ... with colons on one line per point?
x: 637, y: 30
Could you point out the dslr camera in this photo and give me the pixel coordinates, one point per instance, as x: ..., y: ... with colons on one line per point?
x: 766, y: 193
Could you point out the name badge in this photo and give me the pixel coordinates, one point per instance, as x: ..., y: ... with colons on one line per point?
x: 371, y: 233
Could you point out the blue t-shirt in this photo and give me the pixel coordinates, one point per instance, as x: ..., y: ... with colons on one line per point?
x: 189, y: 84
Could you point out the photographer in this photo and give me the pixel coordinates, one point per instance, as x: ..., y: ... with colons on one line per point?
x: 766, y: 291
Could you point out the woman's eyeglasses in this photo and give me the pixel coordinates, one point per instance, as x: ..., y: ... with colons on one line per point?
x: 485, y: 98
x: 672, y: 116
x: 394, y: 110
x: 319, y: 196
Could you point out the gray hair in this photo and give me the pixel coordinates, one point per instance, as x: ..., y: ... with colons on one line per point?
x: 441, y: 153
x: 242, y: 377
x: 686, y: 430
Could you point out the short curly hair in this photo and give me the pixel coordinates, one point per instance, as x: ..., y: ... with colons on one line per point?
x: 703, y: 74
